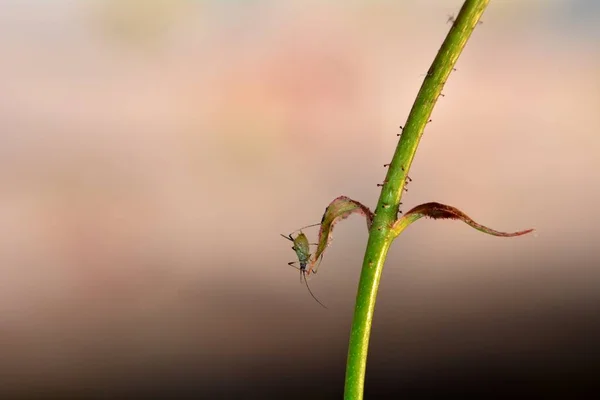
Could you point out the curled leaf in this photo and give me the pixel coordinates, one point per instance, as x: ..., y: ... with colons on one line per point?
x: 340, y: 208
x: 442, y: 211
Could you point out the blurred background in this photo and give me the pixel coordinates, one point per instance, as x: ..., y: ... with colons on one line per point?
x: 151, y: 152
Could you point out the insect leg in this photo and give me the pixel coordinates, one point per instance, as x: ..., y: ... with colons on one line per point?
x: 313, y: 269
x: 291, y: 264
x: 288, y: 237
x: 307, y: 226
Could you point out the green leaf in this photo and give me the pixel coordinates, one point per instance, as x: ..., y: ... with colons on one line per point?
x: 442, y: 211
x: 340, y: 208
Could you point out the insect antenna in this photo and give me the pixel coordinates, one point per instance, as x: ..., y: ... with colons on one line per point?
x: 303, y: 274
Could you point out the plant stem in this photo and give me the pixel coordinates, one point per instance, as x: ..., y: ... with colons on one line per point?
x: 380, y: 235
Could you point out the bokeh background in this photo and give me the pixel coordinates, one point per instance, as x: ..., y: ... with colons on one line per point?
x: 152, y: 151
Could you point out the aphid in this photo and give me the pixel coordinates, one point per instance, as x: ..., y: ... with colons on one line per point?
x: 302, y: 249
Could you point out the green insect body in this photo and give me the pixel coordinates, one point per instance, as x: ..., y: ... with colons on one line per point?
x: 302, y: 248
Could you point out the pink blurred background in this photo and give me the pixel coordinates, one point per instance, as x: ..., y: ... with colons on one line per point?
x: 151, y: 152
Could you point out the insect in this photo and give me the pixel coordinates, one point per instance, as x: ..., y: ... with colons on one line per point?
x: 302, y: 248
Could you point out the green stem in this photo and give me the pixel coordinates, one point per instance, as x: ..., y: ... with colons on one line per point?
x: 380, y: 235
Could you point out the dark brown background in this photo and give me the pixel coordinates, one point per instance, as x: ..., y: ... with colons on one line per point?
x: 152, y: 152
